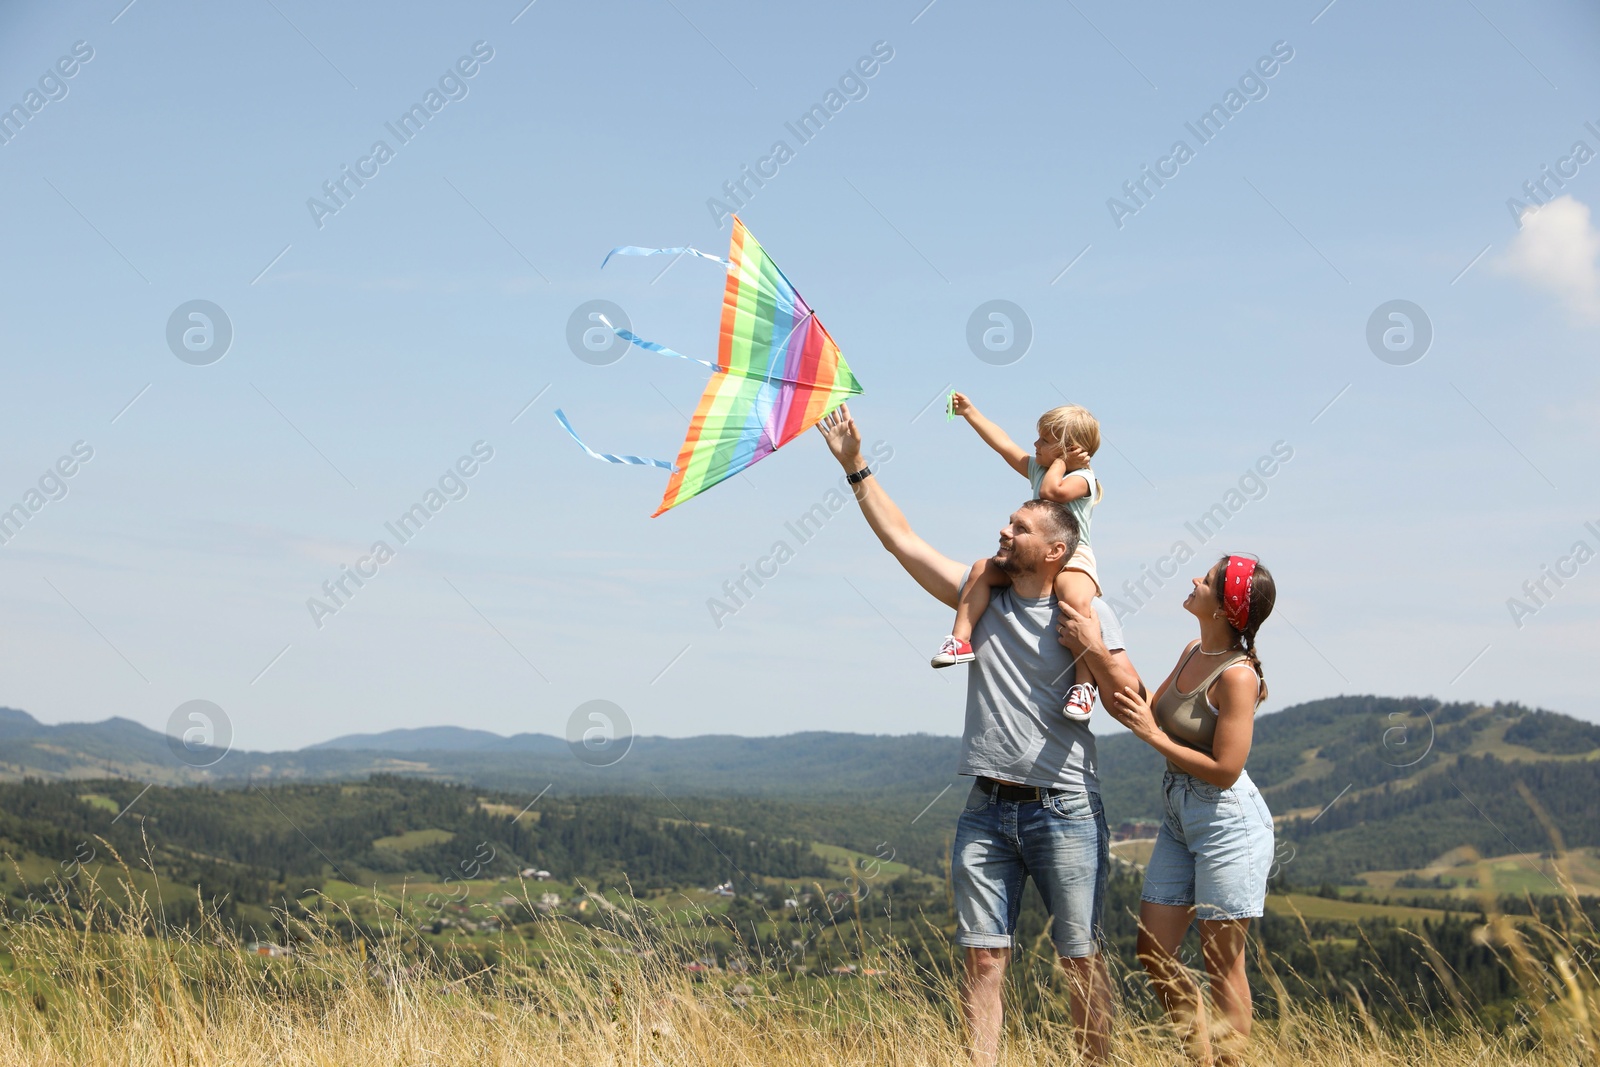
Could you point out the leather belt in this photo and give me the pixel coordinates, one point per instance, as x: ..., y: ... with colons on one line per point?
x: 1017, y: 794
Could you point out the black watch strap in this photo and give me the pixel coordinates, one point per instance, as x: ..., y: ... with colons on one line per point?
x: 859, y: 476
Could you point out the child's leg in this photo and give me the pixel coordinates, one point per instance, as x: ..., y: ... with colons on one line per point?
x: 1079, y: 591
x: 981, y: 584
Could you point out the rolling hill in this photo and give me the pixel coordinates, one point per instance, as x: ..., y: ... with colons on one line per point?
x: 1361, y: 783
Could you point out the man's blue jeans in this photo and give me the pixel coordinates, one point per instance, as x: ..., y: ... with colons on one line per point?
x: 1061, y: 841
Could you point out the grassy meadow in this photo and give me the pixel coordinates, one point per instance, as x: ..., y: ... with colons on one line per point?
x: 111, y: 983
x: 399, y: 920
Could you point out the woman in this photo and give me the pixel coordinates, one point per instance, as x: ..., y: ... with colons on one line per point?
x: 1214, y: 848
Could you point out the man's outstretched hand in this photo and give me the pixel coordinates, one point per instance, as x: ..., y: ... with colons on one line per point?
x: 844, y: 440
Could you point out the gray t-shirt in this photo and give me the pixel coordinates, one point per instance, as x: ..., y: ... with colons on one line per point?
x: 1016, y: 688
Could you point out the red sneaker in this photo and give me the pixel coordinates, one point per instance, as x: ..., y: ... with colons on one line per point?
x: 1080, y: 702
x: 953, y: 651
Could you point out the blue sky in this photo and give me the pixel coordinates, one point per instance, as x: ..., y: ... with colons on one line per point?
x: 369, y: 353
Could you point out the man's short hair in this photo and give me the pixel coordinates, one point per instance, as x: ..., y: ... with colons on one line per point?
x: 1060, y: 524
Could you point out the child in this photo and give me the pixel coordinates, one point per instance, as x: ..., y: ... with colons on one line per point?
x: 1059, y: 471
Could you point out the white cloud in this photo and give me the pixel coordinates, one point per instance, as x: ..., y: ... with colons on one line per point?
x: 1558, y: 249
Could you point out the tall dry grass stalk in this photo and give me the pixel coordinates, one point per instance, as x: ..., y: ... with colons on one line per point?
x: 112, y: 986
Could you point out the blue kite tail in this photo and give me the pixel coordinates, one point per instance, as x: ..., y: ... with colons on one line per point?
x: 635, y: 250
x: 651, y: 346
x: 632, y: 461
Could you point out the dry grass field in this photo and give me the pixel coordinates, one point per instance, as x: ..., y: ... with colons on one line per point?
x: 110, y: 991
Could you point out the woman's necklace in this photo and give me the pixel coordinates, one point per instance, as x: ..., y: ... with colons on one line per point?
x: 1223, y: 652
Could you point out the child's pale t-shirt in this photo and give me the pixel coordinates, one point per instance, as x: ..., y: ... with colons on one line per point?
x: 1080, y: 507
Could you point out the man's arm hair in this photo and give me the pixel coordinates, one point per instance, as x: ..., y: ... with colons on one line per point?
x: 1114, y: 670
x: 933, y: 570
x: 937, y: 573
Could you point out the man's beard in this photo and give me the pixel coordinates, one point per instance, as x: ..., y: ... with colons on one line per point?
x: 1009, y: 564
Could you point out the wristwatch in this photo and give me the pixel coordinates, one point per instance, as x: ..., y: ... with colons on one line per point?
x: 859, y: 476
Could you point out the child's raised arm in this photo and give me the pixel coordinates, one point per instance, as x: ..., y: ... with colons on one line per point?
x: 993, y: 436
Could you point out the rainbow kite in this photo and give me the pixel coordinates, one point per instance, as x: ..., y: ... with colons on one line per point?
x: 777, y: 374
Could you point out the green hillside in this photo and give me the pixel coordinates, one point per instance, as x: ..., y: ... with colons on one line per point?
x: 1358, y: 783
x: 790, y: 765
x: 252, y: 848
x: 1374, y: 783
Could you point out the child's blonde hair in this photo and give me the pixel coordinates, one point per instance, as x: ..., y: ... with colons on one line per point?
x: 1070, y: 425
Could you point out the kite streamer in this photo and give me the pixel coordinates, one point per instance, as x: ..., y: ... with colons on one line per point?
x: 778, y: 372
x: 632, y: 461
x: 651, y: 346
x: 635, y: 250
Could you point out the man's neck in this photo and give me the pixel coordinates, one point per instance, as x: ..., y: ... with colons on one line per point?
x: 1032, y: 586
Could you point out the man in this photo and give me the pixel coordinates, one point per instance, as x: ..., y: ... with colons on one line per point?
x: 1034, y: 809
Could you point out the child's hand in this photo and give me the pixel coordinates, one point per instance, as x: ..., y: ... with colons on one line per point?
x: 1076, y: 631
x: 1075, y: 458
x: 960, y: 405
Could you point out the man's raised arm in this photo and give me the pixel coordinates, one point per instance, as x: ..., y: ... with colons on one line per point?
x: 937, y: 573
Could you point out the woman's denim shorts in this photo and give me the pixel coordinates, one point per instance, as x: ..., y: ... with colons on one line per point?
x: 1214, y: 849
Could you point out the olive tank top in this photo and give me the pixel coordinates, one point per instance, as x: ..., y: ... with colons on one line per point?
x: 1188, y: 718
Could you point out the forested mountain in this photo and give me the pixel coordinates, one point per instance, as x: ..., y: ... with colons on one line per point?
x: 794, y: 764
x: 257, y: 846
x: 1359, y: 783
